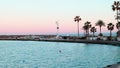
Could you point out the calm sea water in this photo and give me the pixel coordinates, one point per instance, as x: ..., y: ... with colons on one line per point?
x: 35, y: 54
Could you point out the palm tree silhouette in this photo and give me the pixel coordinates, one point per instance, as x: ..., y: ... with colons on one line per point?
x: 116, y: 6
x: 100, y: 23
x: 85, y: 28
x: 93, y: 30
x: 110, y: 27
x: 118, y: 26
x: 77, y: 19
x: 88, y: 24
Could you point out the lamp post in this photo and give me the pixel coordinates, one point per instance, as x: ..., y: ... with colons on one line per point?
x: 57, y: 27
x: 77, y: 19
x: 116, y: 7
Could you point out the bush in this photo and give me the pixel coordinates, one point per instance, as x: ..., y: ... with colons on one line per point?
x: 109, y: 38
x: 64, y: 37
x: 98, y: 39
x: 83, y: 38
x: 100, y: 34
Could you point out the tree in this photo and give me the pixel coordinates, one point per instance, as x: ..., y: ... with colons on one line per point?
x: 110, y: 27
x: 118, y: 26
x: 88, y: 24
x: 77, y: 19
x: 116, y: 7
x: 86, y: 27
x: 93, y: 30
x: 100, y: 23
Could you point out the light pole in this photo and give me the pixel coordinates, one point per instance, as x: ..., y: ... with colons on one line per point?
x: 57, y: 27
x: 116, y: 7
x: 77, y: 19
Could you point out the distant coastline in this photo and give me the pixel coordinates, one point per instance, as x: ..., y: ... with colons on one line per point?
x: 52, y: 38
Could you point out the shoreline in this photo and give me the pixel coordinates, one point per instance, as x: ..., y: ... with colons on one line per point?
x: 70, y: 39
x: 87, y: 41
x: 115, y: 43
x: 117, y: 65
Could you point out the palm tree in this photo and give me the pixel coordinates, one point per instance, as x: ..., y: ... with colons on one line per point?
x: 88, y: 24
x: 118, y: 26
x: 100, y: 23
x: 116, y: 7
x: 93, y: 30
x: 85, y: 28
x: 110, y: 27
x: 77, y: 19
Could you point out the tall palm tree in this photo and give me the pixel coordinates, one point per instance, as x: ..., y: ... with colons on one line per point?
x: 100, y: 23
x: 88, y: 24
x: 110, y: 27
x: 118, y: 26
x: 77, y: 19
x: 116, y: 7
x: 93, y: 30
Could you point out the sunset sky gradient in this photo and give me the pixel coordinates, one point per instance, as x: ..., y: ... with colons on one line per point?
x: 39, y: 16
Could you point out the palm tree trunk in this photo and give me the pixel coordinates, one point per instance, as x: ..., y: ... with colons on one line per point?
x: 110, y: 33
x: 118, y: 28
x: 117, y: 16
x: 78, y: 28
x: 117, y: 20
x: 100, y: 29
x: 84, y: 33
x: 88, y: 32
x: 93, y: 36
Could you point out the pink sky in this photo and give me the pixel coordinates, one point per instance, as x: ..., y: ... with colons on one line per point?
x: 39, y: 17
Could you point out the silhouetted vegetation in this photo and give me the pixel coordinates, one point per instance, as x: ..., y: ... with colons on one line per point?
x: 86, y: 27
x: 93, y: 30
x: 100, y: 23
x: 77, y: 19
x: 116, y: 7
x: 110, y: 27
x: 118, y: 26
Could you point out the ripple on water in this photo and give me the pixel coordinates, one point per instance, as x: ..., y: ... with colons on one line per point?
x: 29, y: 54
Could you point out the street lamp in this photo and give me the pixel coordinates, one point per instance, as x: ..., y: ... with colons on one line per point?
x: 57, y: 27
x: 116, y: 7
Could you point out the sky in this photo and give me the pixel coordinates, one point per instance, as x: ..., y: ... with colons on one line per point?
x: 40, y: 16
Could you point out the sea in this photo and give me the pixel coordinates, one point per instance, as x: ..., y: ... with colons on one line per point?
x: 40, y: 54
